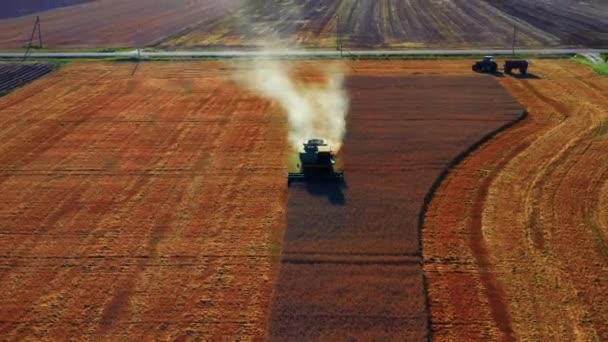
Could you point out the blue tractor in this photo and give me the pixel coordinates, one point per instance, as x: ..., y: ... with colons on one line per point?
x: 487, y: 65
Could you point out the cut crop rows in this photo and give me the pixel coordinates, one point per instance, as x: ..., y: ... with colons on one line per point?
x: 515, y: 241
x: 14, y: 75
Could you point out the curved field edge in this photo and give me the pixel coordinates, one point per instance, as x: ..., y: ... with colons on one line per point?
x: 430, y: 196
x: 517, y: 195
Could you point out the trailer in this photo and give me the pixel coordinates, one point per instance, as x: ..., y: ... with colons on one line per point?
x: 521, y: 65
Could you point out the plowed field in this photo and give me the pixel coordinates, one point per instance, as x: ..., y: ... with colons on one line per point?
x: 112, y: 23
x: 351, y: 265
x: 314, y: 23
x: 14, y: 75
x: 574, y: 22
x: 19, y: 8
x: 364, y: 24
x: 515, y: 239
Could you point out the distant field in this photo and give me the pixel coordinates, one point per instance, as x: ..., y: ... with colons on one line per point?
x: 10, y: 9
x: 363, y: 23
x: 112, y: 23
x: 574, y: 22
x: 315, y: 23
x: 405, y: 24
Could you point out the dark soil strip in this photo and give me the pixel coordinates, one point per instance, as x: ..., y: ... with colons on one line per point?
x: 14, y: 75
x: 351, y: 265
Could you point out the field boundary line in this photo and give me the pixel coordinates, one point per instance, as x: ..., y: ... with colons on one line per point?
x: 453, y: 164
x: 302, y: 54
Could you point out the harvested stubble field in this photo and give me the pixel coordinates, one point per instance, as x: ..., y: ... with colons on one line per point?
x: 351, y: 265
x: 155, y: 204
x: 140, y: 206
x: 112, y: 23
x: 515, y: 239
x: 14, y: 75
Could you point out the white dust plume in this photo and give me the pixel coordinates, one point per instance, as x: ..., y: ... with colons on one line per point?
x: 314, y: 110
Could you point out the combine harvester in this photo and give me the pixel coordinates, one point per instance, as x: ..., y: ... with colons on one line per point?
x: 317, y: 162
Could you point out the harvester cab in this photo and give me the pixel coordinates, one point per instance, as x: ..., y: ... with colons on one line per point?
x: 317, y: 162
x: 486, y: 65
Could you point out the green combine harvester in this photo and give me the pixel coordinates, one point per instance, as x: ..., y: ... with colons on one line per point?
x: 317, y: 163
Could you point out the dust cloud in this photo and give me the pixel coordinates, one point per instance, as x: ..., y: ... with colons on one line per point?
x: 313, y: 110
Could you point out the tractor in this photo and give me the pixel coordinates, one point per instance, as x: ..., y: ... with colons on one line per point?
x: 487, y: 65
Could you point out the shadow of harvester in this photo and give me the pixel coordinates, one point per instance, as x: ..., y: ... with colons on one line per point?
x: 332, y: 190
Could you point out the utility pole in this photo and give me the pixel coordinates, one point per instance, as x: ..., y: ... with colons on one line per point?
x: 39, y: 32
x: 514, y: 37
x: 37, y: 27
x: 136, y: 62
x: 339, y: 36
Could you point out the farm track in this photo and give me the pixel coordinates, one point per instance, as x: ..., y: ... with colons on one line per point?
x: 14, y: 75
x: 533, y: 199
x: 351, y: 264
